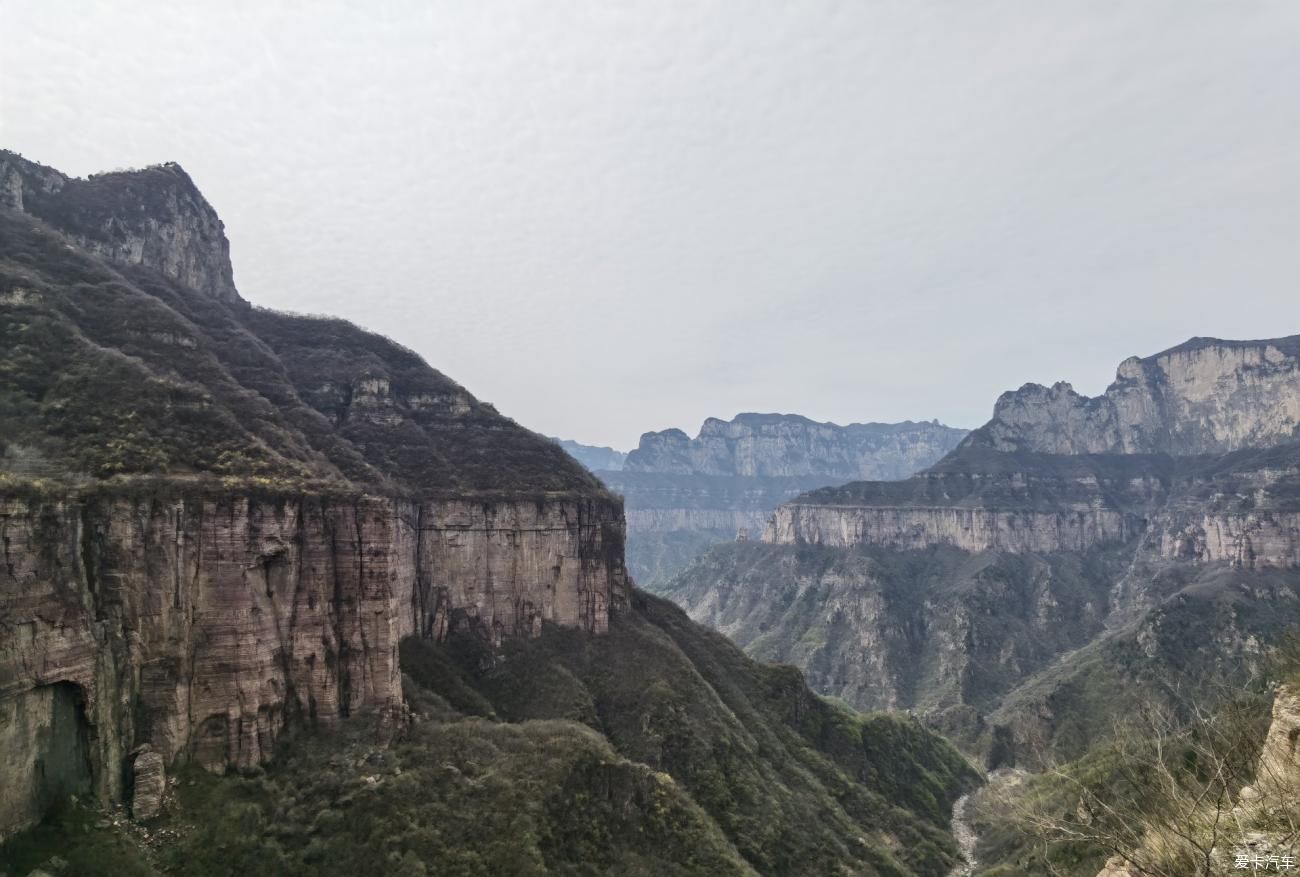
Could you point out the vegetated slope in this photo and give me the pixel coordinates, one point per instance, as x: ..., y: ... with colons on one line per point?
x: 656, y: 749
x: 126, y: 372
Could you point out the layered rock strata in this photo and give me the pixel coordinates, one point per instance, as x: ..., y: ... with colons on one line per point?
x: 203, y: 625
x: 1239, y: 510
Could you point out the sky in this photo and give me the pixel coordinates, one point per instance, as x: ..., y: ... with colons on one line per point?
x: 613, y: 217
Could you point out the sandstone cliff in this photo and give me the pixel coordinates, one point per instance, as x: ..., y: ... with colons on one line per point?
x: 202, y: 625
x: 1239, y: 508
x: 218, y: 521
x: 155, y: 218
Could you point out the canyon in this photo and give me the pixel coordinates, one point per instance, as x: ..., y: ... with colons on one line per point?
x: 1067, y: 561
x: 683, y: 495
x: 266, y: 547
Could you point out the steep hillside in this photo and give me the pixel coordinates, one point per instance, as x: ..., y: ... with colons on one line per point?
x: 683, y: 495
x: 220, y: 520
x: 243, y: 542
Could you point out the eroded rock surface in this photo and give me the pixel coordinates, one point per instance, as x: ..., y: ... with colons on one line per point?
x: 1207, y: 396
x: 148, y: 783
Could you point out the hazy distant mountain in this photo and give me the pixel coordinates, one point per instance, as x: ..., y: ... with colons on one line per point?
x: 683, y: 495
x: 592, y: 456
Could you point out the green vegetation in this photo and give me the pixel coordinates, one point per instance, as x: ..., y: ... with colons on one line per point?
x: 794, y: 782
x: 125, y: 373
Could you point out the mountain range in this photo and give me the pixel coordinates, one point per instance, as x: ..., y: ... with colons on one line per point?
x: 683, y: 495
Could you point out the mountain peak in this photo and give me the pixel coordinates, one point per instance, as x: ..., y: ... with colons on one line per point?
x: 153, y: 217
x: 1204, y: 396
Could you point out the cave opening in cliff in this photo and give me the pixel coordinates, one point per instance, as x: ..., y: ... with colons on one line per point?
x: 60, y: 762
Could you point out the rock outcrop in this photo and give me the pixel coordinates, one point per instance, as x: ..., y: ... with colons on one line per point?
x: 1278, y: 775
x: 148, y: 783
x: 1206, y: 396
x: 155, y: 218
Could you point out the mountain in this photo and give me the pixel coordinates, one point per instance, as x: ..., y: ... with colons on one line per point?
x: 361, y: 616
x: 684, y: 495
x: 1070, y: 561
x: 592, y: 456
x: 791, y: 446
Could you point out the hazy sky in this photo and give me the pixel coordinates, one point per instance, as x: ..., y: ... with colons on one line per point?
x: 613, y: 217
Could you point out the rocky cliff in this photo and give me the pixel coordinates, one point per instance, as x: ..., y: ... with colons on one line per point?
x: 1206, y: 396
x: 1240, y: 508
x: 202, y: 625
x: 155, y: 218
x: 1067, y: 555
x: 218, y: 521
x: 684, y: 495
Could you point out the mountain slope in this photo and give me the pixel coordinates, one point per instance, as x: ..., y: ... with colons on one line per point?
x: 1027, y: 589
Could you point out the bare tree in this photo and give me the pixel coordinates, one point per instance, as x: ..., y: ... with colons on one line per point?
x: 1171, y: 795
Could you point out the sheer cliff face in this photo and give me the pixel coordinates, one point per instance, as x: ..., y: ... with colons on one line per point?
x: 684, y: 495
x: 1238, y: 508
x: 217, y: 521
x: 202, y: 625
x: 1203, y: 397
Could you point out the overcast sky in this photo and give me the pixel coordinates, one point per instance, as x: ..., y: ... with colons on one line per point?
x: 607, y: 218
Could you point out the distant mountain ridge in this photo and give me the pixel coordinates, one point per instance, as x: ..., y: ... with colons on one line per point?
x: 790, y: 445
x: 682, y: 495
x: 594, y: 457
